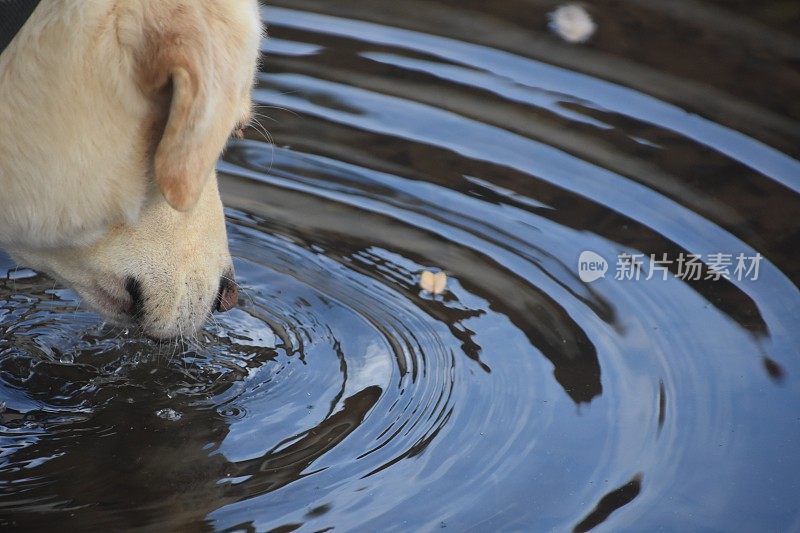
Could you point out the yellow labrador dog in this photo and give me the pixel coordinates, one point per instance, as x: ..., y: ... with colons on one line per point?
x: 112, y: 116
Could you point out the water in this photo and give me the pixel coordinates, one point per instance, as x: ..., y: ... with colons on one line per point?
x: 462, y: 137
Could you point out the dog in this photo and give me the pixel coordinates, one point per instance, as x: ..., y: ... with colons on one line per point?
x: 113, y: 115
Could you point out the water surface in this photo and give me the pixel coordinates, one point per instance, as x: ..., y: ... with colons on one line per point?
x: 465, y: 137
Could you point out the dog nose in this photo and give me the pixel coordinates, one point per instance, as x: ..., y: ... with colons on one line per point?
x: 228, y: 293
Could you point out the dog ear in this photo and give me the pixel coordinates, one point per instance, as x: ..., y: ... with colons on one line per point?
x: 195, y: 129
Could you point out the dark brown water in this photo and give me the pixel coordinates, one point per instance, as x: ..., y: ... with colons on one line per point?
x: 461, y: 136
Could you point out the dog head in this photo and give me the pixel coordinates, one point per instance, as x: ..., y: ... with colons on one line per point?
x: 116, y: 112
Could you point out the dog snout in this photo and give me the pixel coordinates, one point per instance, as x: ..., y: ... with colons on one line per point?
x: 228, y: 294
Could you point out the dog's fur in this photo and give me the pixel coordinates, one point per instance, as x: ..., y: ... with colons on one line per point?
x: 113, y: 114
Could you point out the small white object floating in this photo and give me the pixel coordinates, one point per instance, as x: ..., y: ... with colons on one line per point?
x: 572, y: 23
x: 433, y: 283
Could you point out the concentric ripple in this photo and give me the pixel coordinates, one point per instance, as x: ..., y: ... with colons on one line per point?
x: 462, y: 137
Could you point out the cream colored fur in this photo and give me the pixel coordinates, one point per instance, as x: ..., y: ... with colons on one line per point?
x: 112, y: 114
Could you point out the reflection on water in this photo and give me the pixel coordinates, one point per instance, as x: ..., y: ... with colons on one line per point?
x: 463, y: 137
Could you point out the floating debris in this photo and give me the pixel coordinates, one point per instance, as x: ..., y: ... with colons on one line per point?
x: 433, y: 283
x: 572, y: 23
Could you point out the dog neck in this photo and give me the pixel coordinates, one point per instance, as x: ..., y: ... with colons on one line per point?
x: 13, y: 14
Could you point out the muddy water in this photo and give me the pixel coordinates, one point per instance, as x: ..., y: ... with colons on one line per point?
x: 464, y: 137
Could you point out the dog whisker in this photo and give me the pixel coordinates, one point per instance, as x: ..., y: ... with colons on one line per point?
x: 279, y: 108
x: 260, y: 115
x: 259, y: 127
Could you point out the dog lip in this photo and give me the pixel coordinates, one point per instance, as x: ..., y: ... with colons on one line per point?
x: 136, y: 306
x: 107, y: 302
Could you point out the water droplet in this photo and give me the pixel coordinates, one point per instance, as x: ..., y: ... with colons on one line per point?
x: 169, y: 414
x: 67, y: 359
